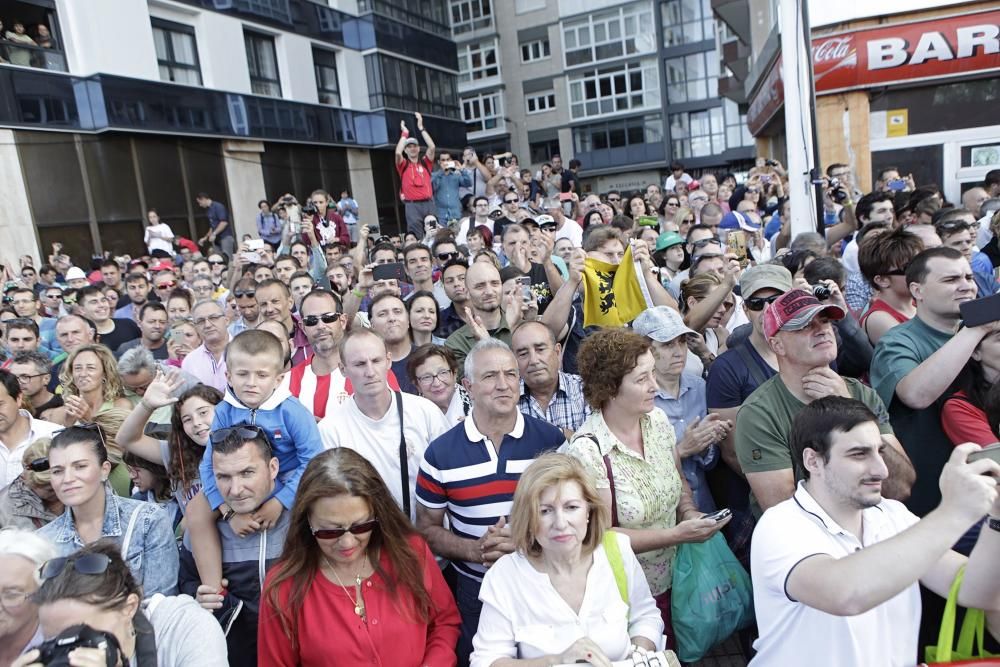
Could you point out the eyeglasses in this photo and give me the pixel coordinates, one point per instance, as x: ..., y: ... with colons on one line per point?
x: 337, y: 533
x: 217, y: 262
x: 690, y: 221
x: 39, y: 465
x: 29, y: 378
x: 613, y: 200
x: 757, y: 303
x: 704, y: 242
x: 447, y: 256
x: 200, y: 322
x: 172, y: 284
x: 511, y: 201
x: 11, y: 599
x: 313, y: 320
x: 244, y: 431
x: 248, y: 293
x: 427, y: 379
x: 85, y: 564
x: 675, y: 204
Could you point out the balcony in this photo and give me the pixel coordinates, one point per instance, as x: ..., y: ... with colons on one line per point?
x: 23, y: 55
x: 632, y: 157
x: 36, y: 99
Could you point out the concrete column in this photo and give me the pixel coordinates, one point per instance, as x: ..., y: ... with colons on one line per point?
x: 359, y: 162
x: 17, y: 227
x: 245, y: 181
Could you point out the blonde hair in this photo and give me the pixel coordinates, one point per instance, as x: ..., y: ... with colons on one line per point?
x: 698, y: 287
x: 36, y: 450
x: 546, y: 471
x: 112, y: 383
x: 110, y: 421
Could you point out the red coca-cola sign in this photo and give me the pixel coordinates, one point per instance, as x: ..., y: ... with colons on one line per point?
x: 919, y: 50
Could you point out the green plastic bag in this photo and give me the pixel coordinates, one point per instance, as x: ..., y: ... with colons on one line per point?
x: 711, y: 597
x: 973, y: 630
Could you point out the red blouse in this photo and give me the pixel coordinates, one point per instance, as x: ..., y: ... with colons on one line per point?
x: 964, y: 422
x: 329, y: 632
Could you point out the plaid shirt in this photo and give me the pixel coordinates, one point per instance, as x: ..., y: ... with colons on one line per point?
x: 567, y: 409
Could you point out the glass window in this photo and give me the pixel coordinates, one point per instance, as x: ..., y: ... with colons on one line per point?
x: 698, y: 133
x: 630, y: 86
x: 470, y: 15
x: 483, y: 113
x: 263, y: 62
x: 693, y: 77
x: 618, y: 134
x: 687, y: 21
x: 737, y: 132
x: 540, y: 102
x: 542, y: 151
x: 536, y: 50
x: 605, y: 36
x: 176, y: 52
x: 395, y: 84
x: 478, y: 61
x: 327, y: 84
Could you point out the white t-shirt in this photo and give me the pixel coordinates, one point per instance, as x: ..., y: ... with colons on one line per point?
x: 159, y: 237
x: 378, y: 440
x: 571, y: 230
x: 795, y: 529
x: 467, y: 225
x: 524, y: 617
x: 11, y: 453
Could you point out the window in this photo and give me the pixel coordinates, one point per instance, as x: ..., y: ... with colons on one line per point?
x: 470, y: 15
x: 687, y: 21
x: 694, y: 77
x: 478, y: 61
x: 542, y: 151
x: 263, y: 62
x: 525, y: 6
x: 541, y: 102
x: 402, y: 84
x: 611, y: 90
x: 536, y: 50
x: 482, y: 113
x: 737, y: 132
x: 621, y: 32
x: 176, y: 52
x: 698, y: 133
x: 618, y: 133
x: 327, y: 84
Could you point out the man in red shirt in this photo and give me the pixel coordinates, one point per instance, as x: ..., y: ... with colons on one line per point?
x: 415, y: 177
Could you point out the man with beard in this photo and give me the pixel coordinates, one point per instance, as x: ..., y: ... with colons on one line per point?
x: 486, y: 319
x: 390, y: 320
x: 340, y: 279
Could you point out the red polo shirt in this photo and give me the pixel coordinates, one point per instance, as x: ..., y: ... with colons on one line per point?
x: 415, y: 179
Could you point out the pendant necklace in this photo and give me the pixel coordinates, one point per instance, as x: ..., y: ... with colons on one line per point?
x: 359, y: 600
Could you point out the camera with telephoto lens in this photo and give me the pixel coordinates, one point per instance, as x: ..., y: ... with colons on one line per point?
x: 55, y: 652
x: 309, y: 208
x: 837, y: 191
x: 821, y: 292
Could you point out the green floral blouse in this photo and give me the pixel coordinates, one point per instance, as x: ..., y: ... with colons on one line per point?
x: 647, y: 489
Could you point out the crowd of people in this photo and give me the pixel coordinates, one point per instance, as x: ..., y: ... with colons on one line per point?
x: 468, y: 444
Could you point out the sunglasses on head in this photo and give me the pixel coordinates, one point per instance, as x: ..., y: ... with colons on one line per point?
x: 244, y: 431
x: 313, y: 320
x: 84, y: 564
x: 39, y: 465
x: 447, y: 256
x: 240, y: 293
x: 337, y: 533
x: 757, y: 303
x: 895, y: 272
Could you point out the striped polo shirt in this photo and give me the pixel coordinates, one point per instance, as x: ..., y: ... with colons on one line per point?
x: 463, y: 473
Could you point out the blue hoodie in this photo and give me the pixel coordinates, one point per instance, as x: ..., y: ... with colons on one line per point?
x: 290, y: 426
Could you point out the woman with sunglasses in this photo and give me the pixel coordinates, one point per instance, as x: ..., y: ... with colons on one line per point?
x: 29, y: 501
x: 354, y: 578
x: 433, y: 370
x: 78, y: 460
x: 22, y: 553
x: 423, y: 312
x: 96, y: 588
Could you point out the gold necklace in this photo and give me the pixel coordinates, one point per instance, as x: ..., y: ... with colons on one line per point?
x: 359, y: 600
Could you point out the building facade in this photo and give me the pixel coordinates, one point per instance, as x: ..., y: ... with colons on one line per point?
x: 126, y: 106
x: 913, y: 87
x: 625, y: 87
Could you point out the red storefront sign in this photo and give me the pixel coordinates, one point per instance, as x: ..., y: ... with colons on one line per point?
x: 902, y: 52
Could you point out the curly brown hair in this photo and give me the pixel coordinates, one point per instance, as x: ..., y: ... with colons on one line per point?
x: 185, y: 453
x: 604, y: 359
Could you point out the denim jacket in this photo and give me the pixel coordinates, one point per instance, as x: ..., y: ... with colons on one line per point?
x: 152, y: 552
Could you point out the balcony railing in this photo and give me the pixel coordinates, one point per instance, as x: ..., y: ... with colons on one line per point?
x: 13, y: 53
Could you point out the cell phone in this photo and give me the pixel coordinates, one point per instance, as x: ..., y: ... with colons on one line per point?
x: 988, y: 452
x: 737, y: 244
x: 565, y: 196
x: 525, y: 283
x: 897, y: 184
x: 980, y: 311
x: 392, y: 271
x: 718, y: 516
x: 255, y: 244
x: 251, y: 257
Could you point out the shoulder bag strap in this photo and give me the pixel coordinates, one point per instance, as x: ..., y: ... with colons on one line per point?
x: 128, y: 533
x: 404, y: 468
x: 752, y: 366
x: 614, y: 554
x: 611, y: 478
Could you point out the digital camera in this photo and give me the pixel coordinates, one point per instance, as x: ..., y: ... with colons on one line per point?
x: 55, y: 652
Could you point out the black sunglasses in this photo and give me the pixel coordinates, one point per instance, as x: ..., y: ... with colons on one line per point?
x: 445, y: 256
x: 704, y: 242
x: 84, y: 564
x: 511, y: 201
x: 548, y: 225
x: 169, y: 285
x: 39, y: 465
x: 244, y: 431
x: 240, y: 293
x: 337, y: 533
x: 313, y: 320
x: 757, y: 303
x: 952, y: 225
x: 895, y: 272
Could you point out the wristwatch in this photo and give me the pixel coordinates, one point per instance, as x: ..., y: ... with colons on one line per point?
x: 993, y: 522
x: 227, y: 512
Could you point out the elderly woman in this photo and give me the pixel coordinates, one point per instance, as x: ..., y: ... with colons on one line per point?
x: 78, y: 460
x: 355, y: 580
x: 96, y: 588
x: 29, y: 501
x: 630, y: 449
x: 91, y: 384
x: 557, y: 599
x: 433, y: 370
x: 22, y: 553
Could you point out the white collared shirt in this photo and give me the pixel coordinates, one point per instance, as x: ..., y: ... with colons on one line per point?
x: 796, y: 529
x: 11, y: 453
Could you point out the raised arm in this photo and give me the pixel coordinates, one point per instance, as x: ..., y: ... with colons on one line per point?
x: 431, y: 148
x: 404, y: 134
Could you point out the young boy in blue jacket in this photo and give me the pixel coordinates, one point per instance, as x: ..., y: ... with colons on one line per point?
x: 254, y: 364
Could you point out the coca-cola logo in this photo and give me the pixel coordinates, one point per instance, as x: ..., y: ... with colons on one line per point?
x: 835, y: 48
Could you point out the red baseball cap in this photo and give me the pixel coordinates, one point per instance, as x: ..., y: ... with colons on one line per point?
x: 794, y: 310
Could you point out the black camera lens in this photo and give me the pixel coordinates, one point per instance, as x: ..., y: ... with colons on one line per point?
x: 821, y: 292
